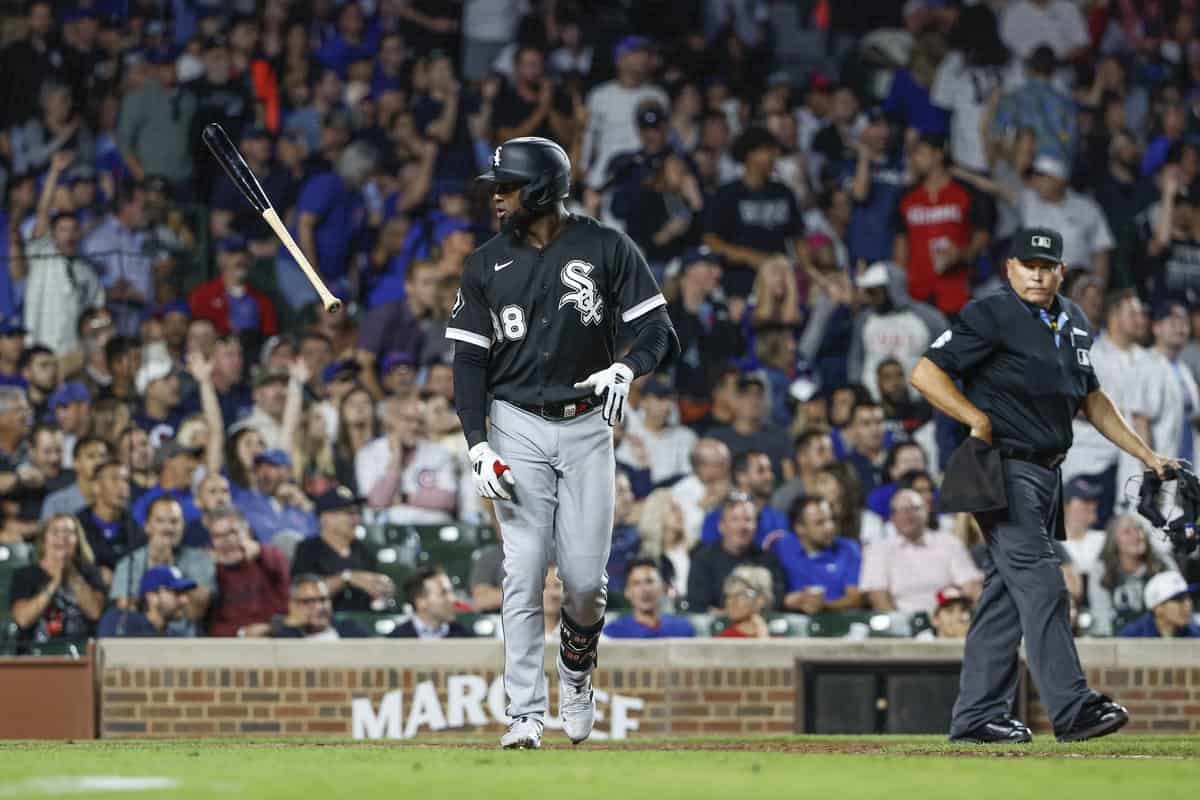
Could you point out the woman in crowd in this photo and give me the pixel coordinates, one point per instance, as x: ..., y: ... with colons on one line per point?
x: 775, y: 298
x: 1127, y: 562
x: 314, y: 467
x: 60, y: 597
x: 356, y: 428
x: 664, y: 538
x: 839, y: 485
x: 240, y: 451
x: 747, y: 592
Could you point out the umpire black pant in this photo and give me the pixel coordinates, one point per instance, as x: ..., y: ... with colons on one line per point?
x: 1023, y: 594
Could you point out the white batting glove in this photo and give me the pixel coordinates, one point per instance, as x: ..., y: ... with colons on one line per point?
x: 615, y: 380
x: 493, y: 478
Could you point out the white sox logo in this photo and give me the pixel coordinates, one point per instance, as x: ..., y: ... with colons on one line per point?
x: 458, y: 304
x: 496, y: 158
x: 575, y: 276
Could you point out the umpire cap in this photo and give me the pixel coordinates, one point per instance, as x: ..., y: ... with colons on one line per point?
x: 1038, y: 244
x: 539, y: 165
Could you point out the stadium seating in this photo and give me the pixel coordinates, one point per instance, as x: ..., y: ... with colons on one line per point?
x: 483, y: 626
x: 453, y: 547
x: 396, y: 550
x: 780, y: 625
x: 862, y: 625
x: 12, y: 558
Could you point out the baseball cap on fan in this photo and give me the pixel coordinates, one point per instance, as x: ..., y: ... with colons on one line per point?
x: 630, y: 44
x: 952, y: 594
x: 1080, y: 488
x: 1038, y: 244
x: 875, y: 276
x: 164, y: 577
x: 1051, y: 166
x: 1164, y: 586
x: 153, y: 370
x: 651, y: 115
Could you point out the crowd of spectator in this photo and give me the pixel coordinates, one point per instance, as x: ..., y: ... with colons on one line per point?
x: 188, y: 447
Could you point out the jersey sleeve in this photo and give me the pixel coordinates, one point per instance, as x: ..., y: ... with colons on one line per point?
x: 970, y: 340
x: 471, y: 319
x: 634, y: 289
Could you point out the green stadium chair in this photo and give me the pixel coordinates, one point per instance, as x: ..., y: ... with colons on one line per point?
x: 459, y: 534
x: 618, y: 602
x: 379, y: 624
x: 455, y: 559
x: 837, y: 625
x: 702, y: 624
x: 74, y: 648
x: 374, y: 536
x: 781, y: 626
x: 12, y: 558
x: 453, y: 547
x: 1123, y: 618
x: 919, y: 622
x: 788, y: 625
x: 8, y: 636
x: 483, y: 626
x: 396, y: 550
x: 860, y: 624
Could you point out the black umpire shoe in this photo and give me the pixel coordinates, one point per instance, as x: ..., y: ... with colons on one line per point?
x: 1005, y: 729
x: 1099, y: 716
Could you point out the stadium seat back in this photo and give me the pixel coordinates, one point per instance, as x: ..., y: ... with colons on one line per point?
x: 456, y: 559
x: 12, y: 558
x: 378, y: 624
x: 482, y: 626
x: 454, y: 534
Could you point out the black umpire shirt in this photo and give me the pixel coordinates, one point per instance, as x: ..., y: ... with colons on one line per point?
x: 1013, y: 370
x: 550, y: 317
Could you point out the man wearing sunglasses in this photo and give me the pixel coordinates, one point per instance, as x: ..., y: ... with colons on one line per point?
x: 310, y: 614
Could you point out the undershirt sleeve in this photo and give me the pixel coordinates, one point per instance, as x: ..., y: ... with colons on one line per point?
x: 654, y: 343
x: 470, y: 390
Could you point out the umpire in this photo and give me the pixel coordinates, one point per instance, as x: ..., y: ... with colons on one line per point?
x: 1023, y: 357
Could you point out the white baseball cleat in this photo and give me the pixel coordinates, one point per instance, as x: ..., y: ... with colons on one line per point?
x: 577, y: 705
x: 524, y: 733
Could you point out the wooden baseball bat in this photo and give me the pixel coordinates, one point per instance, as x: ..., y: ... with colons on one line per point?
x: 235, y: 166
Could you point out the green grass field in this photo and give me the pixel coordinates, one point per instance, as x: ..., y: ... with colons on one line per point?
x: 896, y: 768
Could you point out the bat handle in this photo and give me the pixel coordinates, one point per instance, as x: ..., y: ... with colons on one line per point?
x: 330, y: 302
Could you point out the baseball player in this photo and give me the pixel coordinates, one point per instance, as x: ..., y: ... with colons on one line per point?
x: 535, y: 328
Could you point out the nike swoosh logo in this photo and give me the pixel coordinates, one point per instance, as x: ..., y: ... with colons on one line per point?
x: 499, y: 267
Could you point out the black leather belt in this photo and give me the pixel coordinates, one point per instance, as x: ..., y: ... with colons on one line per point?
x: 1046, y: 459
x: 561, y: 411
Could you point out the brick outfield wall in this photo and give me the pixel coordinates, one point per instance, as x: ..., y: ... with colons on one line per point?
x: 156, y: 701
x: 240, y: 688
x: 1159, y: 699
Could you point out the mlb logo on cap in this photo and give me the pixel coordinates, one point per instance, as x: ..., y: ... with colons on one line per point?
x: 1040, y: 241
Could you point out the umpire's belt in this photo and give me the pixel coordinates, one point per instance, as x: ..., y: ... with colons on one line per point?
x: 561, y: 411
x: 1046, y: 459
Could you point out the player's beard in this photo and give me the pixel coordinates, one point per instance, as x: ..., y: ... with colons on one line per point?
x: 518, y: 222
x: 515, y: 223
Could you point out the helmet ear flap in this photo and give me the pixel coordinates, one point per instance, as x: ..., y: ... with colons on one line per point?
x: 534, y: 195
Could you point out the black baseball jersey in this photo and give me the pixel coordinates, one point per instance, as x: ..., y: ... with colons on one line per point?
x: 549, y: 317
x: 1028, y: 378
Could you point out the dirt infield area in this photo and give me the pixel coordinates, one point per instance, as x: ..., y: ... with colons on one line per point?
x: 1135, y: 747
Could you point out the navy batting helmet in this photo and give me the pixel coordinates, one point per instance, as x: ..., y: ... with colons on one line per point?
x: 539, y: 165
